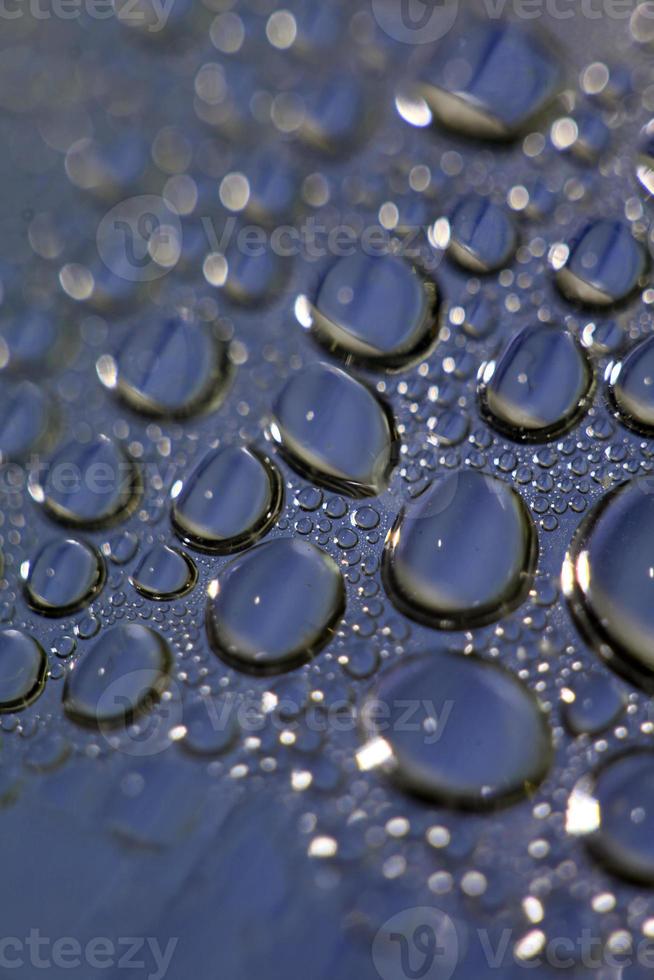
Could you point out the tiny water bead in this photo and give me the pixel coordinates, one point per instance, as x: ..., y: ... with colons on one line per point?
x: 87, y: 484
x: 26, y: 417
x: 608, y: 578
x: 604, y: 264
x: 631, y: 386
x: 623, y: 793
x: 539, y: 385
x: 474, y: 736
x: 164, y: 573
x: 23, y: 667
x: 490, y: 80
x: 376, y: 309
x: 335, y: 430
x: 482, y: 235
x: 169, y: 367
x: 462, y: 553
x: 123, y: 674
x: 273, y: 608
x: 64, y: 575
x: 593, y: 704
x: 231, y: 498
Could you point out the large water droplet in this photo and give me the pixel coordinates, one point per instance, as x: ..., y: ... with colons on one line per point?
x: 490, y: 80
x: 231, y: 498
x: 167, y: 367
x: 87, y: 484
x: 482, y: 235
x: 124, y: 673
x: 23, y: 668
x: 63, y: 576
x: 608, y: 577
x: 476, y: 735
x: 539, y: 386
x: 335, y: 430
x: 164, y: 573
x: 462, y: 553
x: 377, y: 309
x: 604, y: 265
x: 26, y: 415
x: 624, y: 839
x: 631, y: 386
x: 274, y: 607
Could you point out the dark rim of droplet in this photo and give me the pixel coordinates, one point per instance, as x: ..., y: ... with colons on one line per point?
x: 36, y: 691
x: 618, y: 413
x: 323, y: 330
x: 469, y: 618
x: 549, y: 432
x: 609, y: 649
x: 161, y: 596
x: 55, y: 611
x: 256, y: 531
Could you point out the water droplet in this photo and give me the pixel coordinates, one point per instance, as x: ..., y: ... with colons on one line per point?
x: 482, y: 235
x: 210, y: 725
x: 605, y: 264
x: 597, y: 704
x: 490, y: 80
x: 539, y: 386
x: 477, y: 738
x: 608, y: 577
x: 124, y: 673
x: 167, y: 367
x: 377, y: 309
x: 231, y: 499
x: 23, y: 667
x: 275, y: 607
x: 462, y: 553
x: 645, y: 157
x: 631, y: 386
x: 164, y: 573
x: 31, y: 343
x: 87, y: 484
x: 624, y: 839
x: 334, y: 430
x: 64, y: 575
x: 26, y: 415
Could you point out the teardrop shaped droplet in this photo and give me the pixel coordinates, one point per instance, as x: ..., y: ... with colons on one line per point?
x: 476, y: 736
x: 539, y: 386
x: 87, y: 484
x: 608, y: 577
x: 275, y: 607
x: 335, y: 430
x: 23, y: 667
x: 377, y: 309
x: 461, y: 554
x: 64, y: 575
x: 122, y: 675
x: 164, y: 573
x: 604, y: 264
x: 631, y: 387
x: 230, y: 499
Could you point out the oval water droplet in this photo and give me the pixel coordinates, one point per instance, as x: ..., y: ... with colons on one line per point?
x: 482, y: 235
x: 168, y: 367
x: 604, y: 264
x: 624, y: 793
x: 231, y: 499
x: 539, y: 386
x: 275, y: 607
x: 377, y: 309
x: 26, y: 416
x: 123, y: 674
x: 608, y: 577
x: 478, y: 737
x: 490, y: 80
x: 461, y: 554
x: 335, y: 430
x: 631, y: 387
x: 164, y: 573
x: 87, y: 484
x: 597, y: 704
x: 64, y: 575
x: 23, y: 666
x: 645, y: 157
